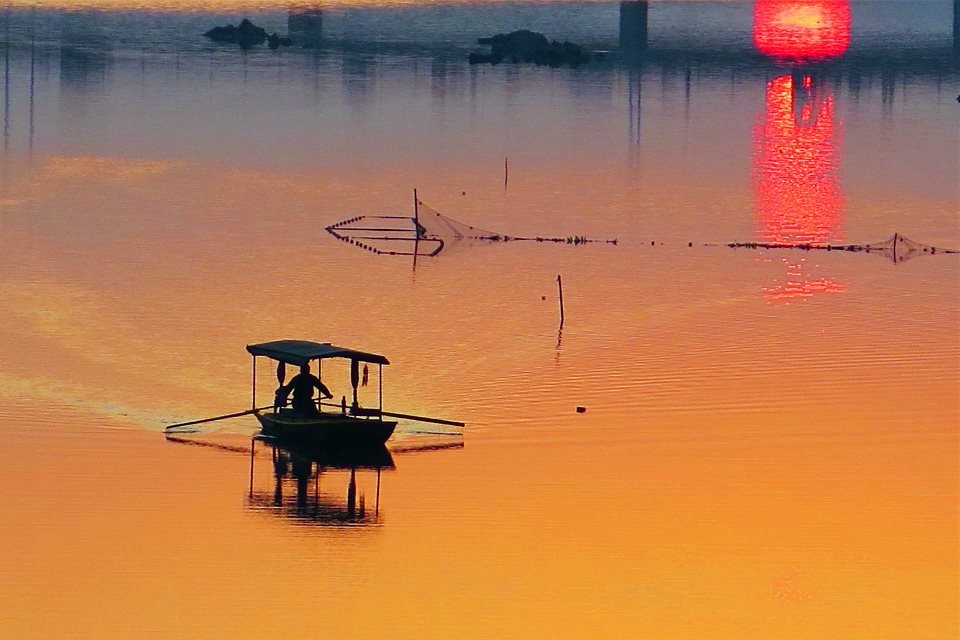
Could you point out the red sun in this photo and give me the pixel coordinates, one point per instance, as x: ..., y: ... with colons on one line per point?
x: 801, y: 30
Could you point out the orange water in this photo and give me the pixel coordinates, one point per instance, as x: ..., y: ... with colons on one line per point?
x: 770, y: 444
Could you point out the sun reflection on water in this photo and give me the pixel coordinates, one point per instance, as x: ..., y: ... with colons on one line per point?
x: 797, y: 143
x: 797, y: 159
x: 797, y: 190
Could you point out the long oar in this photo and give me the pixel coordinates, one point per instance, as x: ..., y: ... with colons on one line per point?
x: 453, y: 423
x: 223, y: 417
x: 373, y: 412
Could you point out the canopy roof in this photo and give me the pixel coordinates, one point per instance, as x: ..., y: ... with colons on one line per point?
x: 302, y: 351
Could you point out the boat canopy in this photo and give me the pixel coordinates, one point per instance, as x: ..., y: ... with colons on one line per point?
x: 299, y: 352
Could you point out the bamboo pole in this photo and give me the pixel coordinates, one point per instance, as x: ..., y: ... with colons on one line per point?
x: 560, y: 287
x: 416, y: 211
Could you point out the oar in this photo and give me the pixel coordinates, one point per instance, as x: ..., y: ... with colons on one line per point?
x: 407, y: 416
x: 223, y: 417
x: 452, y: 423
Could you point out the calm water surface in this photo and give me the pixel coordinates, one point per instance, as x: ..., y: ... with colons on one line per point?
x: 770, y: 447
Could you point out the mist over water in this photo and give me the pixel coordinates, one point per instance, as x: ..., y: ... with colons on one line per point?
x: 770, y: 436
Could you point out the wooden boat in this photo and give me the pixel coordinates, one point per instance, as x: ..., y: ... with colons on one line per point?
x: 328, y: 427
x: 339, y: 424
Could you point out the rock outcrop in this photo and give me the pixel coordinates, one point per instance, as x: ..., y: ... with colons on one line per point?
x: 246, y: 35
x: 530, y: 46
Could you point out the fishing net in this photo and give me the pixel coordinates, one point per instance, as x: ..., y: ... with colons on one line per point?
x: 383, y: 235
x: 426, y: 234
x: 433, y: 224
x: 897, y: 248
x: 900, y: 249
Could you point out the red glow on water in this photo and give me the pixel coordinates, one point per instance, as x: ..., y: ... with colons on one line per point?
x: 796, y: 174
x: 797, y: 285
x: 796, y: 163
x: 801, y: 30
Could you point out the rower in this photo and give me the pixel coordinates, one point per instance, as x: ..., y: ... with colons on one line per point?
x: 302, y: 386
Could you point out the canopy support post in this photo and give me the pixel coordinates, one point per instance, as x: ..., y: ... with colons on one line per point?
x: 416, y: 213
x: 380, y: 390
x: 355, y: 380
x: 253, y: 392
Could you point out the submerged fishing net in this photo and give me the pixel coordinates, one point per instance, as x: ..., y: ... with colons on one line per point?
x: 430, y: 232
x: 897, y: 248
x: 383, y: 235
x: 426, y: 234
x: 433, y: 224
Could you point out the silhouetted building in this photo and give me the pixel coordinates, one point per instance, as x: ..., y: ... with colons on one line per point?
x: 633, y: 26
x: 956, y: 26
x: 305, y: 26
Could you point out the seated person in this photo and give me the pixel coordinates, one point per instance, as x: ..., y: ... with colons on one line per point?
x: 302, y: 386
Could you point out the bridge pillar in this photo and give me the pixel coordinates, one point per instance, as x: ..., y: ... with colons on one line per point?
x: 956, y: 26
x: 305, y: 26
x: 633, y: 26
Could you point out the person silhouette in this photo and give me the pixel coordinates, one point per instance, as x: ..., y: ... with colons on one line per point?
x: 302, y: 386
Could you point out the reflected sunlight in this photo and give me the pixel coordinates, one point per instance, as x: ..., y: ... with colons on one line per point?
x: 797, y: 192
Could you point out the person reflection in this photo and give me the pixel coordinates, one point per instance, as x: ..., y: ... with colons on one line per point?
x: 302, y: 470
x: 302, y: 386
x: 280, y: 467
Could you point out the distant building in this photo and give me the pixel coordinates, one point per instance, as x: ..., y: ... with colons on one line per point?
x: 633, y: 26
x: 305, y: 26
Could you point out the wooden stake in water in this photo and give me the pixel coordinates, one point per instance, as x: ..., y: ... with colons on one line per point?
x: 416, y: 213
x: 506, y: 171
x: 560, y: 288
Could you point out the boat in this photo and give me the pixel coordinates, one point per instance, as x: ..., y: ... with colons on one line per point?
x: 340, y: 425
x: 334, y: 424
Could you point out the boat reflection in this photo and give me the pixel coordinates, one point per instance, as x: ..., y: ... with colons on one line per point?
x: 297, y: 493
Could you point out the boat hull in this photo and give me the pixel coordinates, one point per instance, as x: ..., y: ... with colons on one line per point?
x: 328, y: 429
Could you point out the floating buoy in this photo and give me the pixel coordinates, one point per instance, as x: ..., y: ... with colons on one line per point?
x: 581, y: 409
